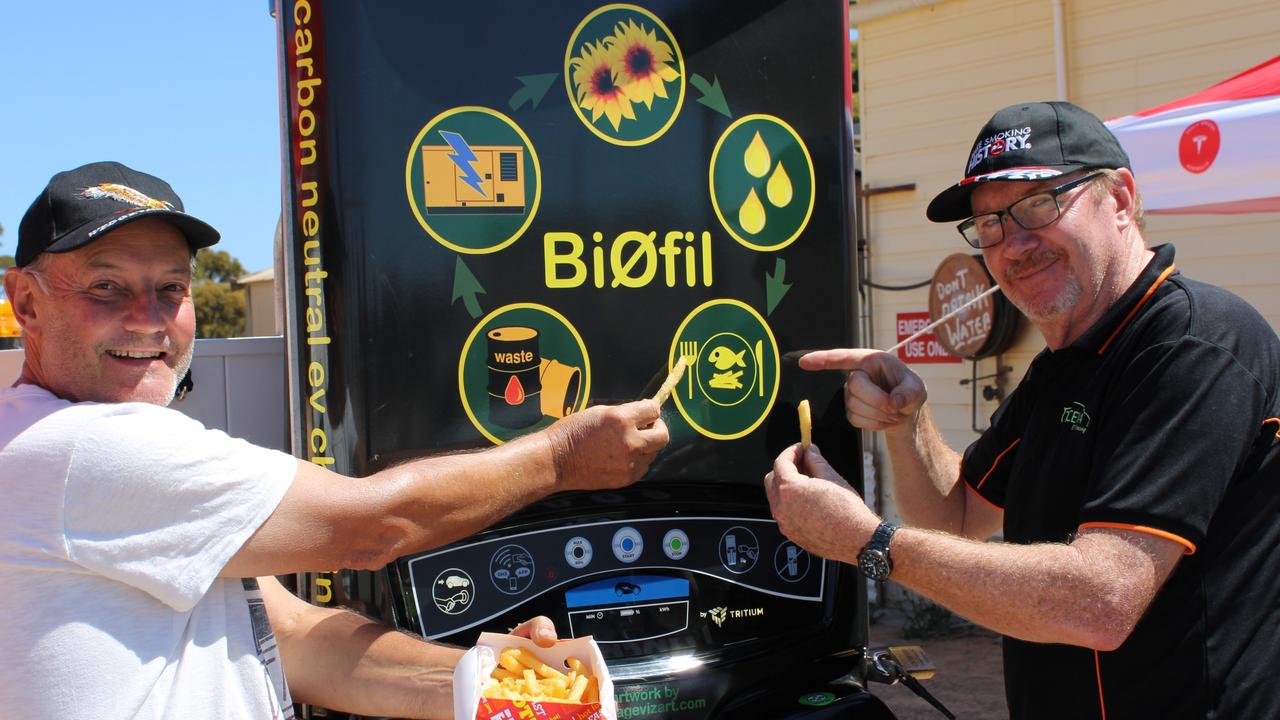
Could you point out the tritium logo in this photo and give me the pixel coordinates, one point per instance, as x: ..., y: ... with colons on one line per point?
x: 1076, y: 416
x: 719, y: 615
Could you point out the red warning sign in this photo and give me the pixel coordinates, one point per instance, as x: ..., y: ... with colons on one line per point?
x: 924, y: 349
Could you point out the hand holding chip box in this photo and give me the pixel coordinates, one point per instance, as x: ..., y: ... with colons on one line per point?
x: 510, y: 674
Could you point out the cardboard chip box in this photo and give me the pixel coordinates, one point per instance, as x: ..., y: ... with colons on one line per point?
x: 478, y: 663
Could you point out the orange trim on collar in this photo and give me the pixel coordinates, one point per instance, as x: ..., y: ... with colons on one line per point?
x: 1275, y: 420
x: 997, y: 462
x: 1190, y: 546
x: 1138, y: 306
x: 1097, y: 666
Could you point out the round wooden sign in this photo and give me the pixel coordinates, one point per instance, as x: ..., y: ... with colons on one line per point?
x: 977, y: 331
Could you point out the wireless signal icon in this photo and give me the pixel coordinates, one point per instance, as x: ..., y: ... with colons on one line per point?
x: 511, y: 569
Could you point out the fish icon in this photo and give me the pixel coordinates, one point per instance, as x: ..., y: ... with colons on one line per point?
x: 724, y: 358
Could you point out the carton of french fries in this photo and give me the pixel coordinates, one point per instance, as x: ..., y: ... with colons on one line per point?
x: 505, y: 677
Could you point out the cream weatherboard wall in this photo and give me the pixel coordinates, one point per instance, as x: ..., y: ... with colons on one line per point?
x: 930, y: 77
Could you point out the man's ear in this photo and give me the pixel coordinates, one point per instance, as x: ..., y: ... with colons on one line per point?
x: 20, y: 287
x: 1125, y: 193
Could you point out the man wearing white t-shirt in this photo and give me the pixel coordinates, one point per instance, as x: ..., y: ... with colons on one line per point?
x: 131, y: 536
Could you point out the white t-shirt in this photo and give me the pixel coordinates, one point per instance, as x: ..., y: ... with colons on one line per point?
x: 115, y: 520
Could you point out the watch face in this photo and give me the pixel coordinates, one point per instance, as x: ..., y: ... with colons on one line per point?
x: 874, y: 564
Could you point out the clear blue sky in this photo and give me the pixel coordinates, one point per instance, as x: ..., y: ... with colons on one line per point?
x: 184, y: 90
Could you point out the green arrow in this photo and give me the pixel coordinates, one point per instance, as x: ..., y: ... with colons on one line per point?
x: 712, y: 95
x: 466, y: 286
x: 774, y: 286
x: 533, y: 87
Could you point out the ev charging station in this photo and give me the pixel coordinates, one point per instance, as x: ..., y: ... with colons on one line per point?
x: 500, y: 213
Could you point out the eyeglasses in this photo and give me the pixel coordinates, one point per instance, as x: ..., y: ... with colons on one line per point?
x: 1032, y: 213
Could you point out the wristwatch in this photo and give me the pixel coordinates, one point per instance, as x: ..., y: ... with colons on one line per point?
x: 874, y: 561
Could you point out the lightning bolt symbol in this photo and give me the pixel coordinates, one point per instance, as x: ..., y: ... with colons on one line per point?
x: 463, y: 158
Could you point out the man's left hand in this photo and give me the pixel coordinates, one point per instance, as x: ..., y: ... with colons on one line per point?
x: 818, y: 511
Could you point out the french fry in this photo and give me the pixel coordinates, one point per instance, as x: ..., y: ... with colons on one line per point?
x: 508, y: 660
x: 579, y: 687
x: 673, y: 378
x: 522, y: 675
x: 534, y: 663
x: 806, y: 424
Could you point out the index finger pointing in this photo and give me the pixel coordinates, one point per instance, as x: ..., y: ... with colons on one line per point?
x: 836, y: 359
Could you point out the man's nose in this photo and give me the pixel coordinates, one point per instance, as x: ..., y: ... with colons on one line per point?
x: 1018, y: 241
x: 145, y: 313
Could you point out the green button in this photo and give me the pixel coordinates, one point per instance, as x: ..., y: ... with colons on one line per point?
x: 817, y: 699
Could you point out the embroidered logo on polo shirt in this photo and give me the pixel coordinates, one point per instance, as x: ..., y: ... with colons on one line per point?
x: 1076, y: 416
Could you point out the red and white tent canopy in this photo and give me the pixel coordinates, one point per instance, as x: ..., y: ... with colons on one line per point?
x: 1216, y: 151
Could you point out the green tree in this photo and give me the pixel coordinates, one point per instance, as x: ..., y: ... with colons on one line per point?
x: 218, y: 266
x: 220, y: 311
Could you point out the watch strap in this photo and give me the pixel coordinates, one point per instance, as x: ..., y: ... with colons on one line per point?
x: 881, y: 537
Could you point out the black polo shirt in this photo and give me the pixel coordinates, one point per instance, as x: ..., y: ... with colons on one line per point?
x: 1162, y: 418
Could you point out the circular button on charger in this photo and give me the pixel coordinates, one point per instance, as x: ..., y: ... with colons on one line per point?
x: 577, y: 552
x: 675, y: 544
x: 627, y: 544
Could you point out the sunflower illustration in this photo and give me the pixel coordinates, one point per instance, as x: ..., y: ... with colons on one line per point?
x: 641, y: 62
x: 595, y: 75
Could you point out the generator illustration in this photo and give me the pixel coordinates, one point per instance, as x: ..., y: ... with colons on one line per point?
x: 489, y: 182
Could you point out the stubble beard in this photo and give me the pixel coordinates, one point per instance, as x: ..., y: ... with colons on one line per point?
x: 1049, y: 309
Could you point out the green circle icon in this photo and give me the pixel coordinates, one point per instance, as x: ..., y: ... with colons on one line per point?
x: 732, y: 380
x: 762, y: 182
x: 817, y: 699
x: 624, y: 74
x: 473, y: 180
x: 522, y: 367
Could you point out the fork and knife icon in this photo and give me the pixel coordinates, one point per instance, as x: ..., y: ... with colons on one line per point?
x: 689, y: 351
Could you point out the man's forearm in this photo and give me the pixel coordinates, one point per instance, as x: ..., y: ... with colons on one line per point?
x: 328, y: 521
x: 342, y: 661
x: 460, y: 495
x: 925, y: 476
x: 1088, y: 593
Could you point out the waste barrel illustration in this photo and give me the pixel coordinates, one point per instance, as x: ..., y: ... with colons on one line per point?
x: 515, y: 385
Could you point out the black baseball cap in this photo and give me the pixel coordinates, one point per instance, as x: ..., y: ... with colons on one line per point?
x: 1030, y: 142
x: 81, y: 205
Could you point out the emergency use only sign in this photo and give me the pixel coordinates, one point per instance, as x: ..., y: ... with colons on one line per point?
x: 924, y: 349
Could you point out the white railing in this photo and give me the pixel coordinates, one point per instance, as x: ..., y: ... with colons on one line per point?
x: 240, y: 387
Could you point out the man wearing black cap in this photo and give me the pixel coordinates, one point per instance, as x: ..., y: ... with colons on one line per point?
x: 126, y: 528
x: 1135, y: 470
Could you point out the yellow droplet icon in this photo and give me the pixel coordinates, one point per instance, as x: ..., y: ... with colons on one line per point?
x: 751, y: 214
x: 756, y: 158
x: 779, y: 190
